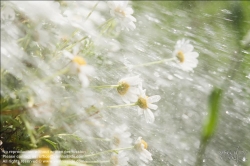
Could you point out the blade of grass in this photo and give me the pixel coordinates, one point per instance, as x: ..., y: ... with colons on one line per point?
x: 210, y: 124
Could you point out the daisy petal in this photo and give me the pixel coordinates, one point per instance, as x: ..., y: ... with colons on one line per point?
x: 152, y: 106
x: 87, y: 69
x: 187, y: 48
x: 140, y: 111
x: 84, y: 79
x: 149, y: 116
x: 153, y: 99
x: 132, y: 80
x: 192, y: 54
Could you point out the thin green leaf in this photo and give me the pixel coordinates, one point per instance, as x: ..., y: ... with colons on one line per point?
x: 54, y: 144
x: 212, y: 118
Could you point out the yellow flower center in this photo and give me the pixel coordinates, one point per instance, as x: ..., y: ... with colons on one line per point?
x: 123, y: 87
x: 116, y: 141
x: 44, y: 156
x: 144, y: 144
x: 142, y: 103
x: 79, y: 60
x: 118, y: 10
x: 180, y: 56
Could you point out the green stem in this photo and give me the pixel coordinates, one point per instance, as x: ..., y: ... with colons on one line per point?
x: 99, y: 139
x: 29, y: 131
x: 201, y: 152
x: 72, y: 45
x: 63, y: 71
x: 107, y: 22
x: 108, y: 151
x: 151, y: 63
x: 11, y: 107
x: 27, y: 42
x: 123, y: 105
x: 91, y: 11
x: 73, y: 135
x: 107, y: 26
x: 75, y: 32
x: 105, y: 86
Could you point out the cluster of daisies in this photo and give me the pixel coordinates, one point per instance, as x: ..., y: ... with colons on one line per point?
x: 183, y: 54
x: 120, y: 139
x: 122, y: 14
x: 129, y: 88
x: 44, y: 156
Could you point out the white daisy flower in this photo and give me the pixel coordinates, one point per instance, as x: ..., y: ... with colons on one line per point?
x: 43, y: 157
x: 128, y: 88
x: 145, y: 104
x: 120, y: 137
x: 84, y: 70
x: 123, y: 14
x: 141, y: 149
x: 185, y: 56
x: 119, y: 159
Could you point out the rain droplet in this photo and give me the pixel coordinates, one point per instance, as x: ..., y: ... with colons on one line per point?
x: 170, y: 77
x: 156, y: 74
x: 178, y: 76
x: 226, y: 11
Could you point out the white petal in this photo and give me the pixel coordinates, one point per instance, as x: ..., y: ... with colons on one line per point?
x: 138, y: 140
x: 140, y: 111
x: 186, y: 68
x: 187, y: 48
x: 131, y: 18
x: 131, y: 26
x: 76, y: 49
x: 68, y: 55
x: 192, y: 54
x: 129, y: 11
x: 147, y: 154
x: 153, y: 99
x: 149, y: 116
x: 152, y: 106
x: 84, y: 80
x: 142, y: 92
x: 87, y: 70
x: 132, y: 80
x: 192, y: 63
